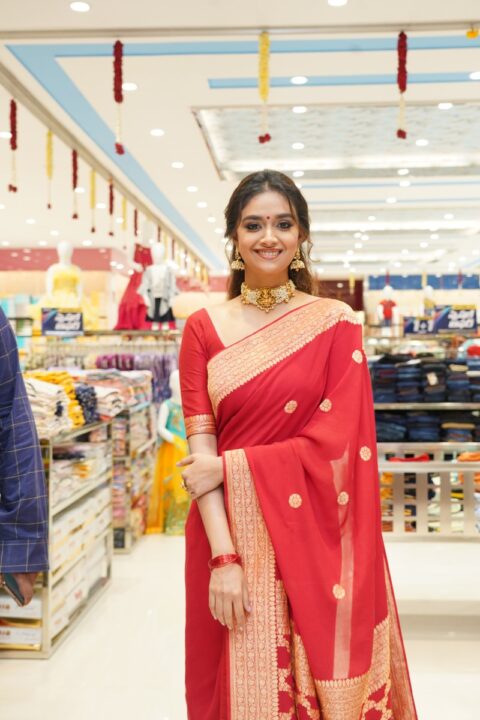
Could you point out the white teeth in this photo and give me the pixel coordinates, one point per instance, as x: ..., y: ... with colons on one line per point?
x: 268, y: 255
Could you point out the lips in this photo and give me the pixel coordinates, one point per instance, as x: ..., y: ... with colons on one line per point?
x: 268, y: 254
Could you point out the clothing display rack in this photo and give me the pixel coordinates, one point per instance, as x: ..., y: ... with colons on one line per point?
x: 78, y: 467
x: 134, y: 440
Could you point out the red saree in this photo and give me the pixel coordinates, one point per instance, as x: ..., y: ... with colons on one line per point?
x: 292, y: 410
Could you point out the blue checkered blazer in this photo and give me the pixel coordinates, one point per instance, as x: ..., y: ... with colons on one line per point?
x: 23, y: 500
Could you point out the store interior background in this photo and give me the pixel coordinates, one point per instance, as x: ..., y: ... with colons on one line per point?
x: 384, y: 211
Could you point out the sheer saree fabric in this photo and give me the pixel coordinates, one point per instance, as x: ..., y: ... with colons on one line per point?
x: 292, y: 410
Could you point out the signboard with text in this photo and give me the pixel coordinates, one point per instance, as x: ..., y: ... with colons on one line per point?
x: 447, y: 320
x: 61, y: 323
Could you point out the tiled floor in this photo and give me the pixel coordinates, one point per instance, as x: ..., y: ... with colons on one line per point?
x: 126, y: 658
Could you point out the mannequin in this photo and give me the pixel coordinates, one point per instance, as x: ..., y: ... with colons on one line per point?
x: 169, y: 503
x: 64, y: 280
x: 132, y: 311
x: 428, y: 308
x: 159, y: 287
x: 387, y: 311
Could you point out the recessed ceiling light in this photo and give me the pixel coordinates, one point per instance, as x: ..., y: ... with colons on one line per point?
x: 299, y: 109
x: 475, y: 75
x: 350, y: 252
x: 365, y: 237
x: 192, y: 188
x: 5, y: 134
x: 5, y: 243
x: 424, y: 244
x: 79, y: 6
x: 397, y: 264
x: 391, y: 200
x: 475, y: 252
x: 422, y: 142
x: 404, y: 251
x: 2, y: 207
x: 79, y: 189
x: 299, y: 80
x: 445, y: 106
x: 202, y: 204
x: 157, y: 132
x: 449, y: 216
x: 358, y: 235
x: 113, y: 263
x: 129, y: 86
x: 297, y: 146
x: 119, y: 220
x: 337, y: 3
x: 30, y: 221
x: 178, y: 165
x: 358, y: 246
x: 219, y: 231
x: 212, y: 219
x: 54, y: 233
x: 372, y: 218
x: 42, y: 243
x: 87, y: 243
x: 119, y: 266
x: 405, y: 183
x: 101, y: 206
x: 463, y: 258
x: 434, y: 236
x: 404, y: 171
x: 298, y: 173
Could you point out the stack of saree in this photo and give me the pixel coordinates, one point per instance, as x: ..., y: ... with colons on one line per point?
x: 291, y: 407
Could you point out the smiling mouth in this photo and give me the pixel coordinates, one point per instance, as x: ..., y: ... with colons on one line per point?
x: 268, y: 254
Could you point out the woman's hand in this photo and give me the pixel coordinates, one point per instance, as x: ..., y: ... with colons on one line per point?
x: 228, y: 596
x: 203, y: 473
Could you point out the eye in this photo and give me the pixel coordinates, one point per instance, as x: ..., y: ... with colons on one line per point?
x: 285, y: 225
x: 253, y: 227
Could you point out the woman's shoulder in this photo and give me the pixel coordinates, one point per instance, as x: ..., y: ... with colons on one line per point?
x: 336, y: 310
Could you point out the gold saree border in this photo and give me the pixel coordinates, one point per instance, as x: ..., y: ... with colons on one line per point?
x: 254, y: 677
x: 196, y: 424
x: 237, y: 364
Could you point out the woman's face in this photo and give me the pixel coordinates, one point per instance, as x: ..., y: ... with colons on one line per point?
x: 268, y: 236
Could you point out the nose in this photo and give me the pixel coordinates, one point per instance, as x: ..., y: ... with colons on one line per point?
x: 269, y: 232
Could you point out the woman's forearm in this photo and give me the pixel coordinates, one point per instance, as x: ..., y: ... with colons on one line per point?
x: 212, y: 504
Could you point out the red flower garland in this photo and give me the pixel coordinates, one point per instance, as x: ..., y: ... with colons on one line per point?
x: 135, y: 222
x: 12, y: 187
x: 118, y: 91
x: 110, y: 205
x: 402, y: 75
x: 74, y: 183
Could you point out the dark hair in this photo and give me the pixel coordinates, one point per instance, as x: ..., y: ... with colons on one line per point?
x: 254, y: 184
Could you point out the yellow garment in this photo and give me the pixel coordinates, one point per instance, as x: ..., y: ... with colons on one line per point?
x: 75, y: 412
x: 65, y: 295
x: 168, y: 503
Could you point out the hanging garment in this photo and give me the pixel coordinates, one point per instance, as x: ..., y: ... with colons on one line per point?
x: 132, y: 309
x: 169, y: 504
x: 291, y: 408
x: 159, y: 286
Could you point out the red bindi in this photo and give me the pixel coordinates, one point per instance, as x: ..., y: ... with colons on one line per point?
x: 268, y: 217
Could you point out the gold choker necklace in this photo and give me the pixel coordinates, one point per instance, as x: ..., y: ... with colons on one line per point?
x: 268, y: 298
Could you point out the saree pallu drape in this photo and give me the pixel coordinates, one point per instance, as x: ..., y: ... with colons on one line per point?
x: 292, y: 409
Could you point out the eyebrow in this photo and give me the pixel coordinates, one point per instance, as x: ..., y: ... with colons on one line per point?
x: 259, y: 217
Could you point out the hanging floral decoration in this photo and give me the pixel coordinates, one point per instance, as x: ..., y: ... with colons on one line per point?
x: 159, y: 234
x: 174, y: 252
x: 402, y: 75
x: 264, y: 83
x: 472, y: 33
x: 93, y: 198
x: 387, y: 278
x: 135, y: 222
x: 75, y: 184
x: 111, y: 202
x: 12, y: 187
x: 351, y: 283
x: 460, y: 280
x: 124, y: 213
x: 49, y: 167
x: 118, y: 93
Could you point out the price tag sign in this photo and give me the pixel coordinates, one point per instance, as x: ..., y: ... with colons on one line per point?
x: 460, y: 319
x: 61, y: 323
x: 418, y: 325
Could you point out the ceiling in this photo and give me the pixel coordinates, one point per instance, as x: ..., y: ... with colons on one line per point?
x: 195, y: 66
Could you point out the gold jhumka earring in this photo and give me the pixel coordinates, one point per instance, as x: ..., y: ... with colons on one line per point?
x: 237, y: 263
x: 297, y: 262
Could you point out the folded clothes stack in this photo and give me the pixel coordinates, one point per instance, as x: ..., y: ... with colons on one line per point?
x: 87, y: 398
x: 109, y: 401
x: 423, y: 427
x: 434, y: 384
x: 428, y: 427
x: 65, y: 380
x: 133, y: 387
x: 458, y: 385
x: 49, y: 404
x: 409, y: 377
x: 391, y: 427
x: 473, y: 374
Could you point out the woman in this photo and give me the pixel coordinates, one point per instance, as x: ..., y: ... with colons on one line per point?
x: 296, y: 617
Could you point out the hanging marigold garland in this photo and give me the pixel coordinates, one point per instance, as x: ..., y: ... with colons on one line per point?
x: 49, y: 167
x: 402, y: 75
x: 124, y: 213
x: 159, y: 234
x: 472, y: 33
x: 111, y: 202
x: 264, y: 83
x: 12, y: 187
x: 93, y: 199
x: 118, y: 93
x: 75, y: 183
x: 135, y: 222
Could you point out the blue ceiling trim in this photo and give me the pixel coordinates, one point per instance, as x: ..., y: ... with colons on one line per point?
x: 339, y: 80
x: 392, y: 205
x: 349, y: 185
x: 41, y: 63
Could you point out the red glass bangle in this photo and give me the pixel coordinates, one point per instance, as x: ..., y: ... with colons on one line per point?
x: 221, y: 560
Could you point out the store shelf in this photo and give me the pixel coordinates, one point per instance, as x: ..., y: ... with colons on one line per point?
x: 93, y: 485
x: 60, y: 573
x: 65, y: 437
x: 427, y: 406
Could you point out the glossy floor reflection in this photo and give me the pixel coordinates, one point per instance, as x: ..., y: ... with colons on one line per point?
x: 125, y: 659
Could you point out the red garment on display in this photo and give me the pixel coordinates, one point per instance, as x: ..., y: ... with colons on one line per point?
x: 132, y: 311
x: 291, y: 406
x: 388, y: 306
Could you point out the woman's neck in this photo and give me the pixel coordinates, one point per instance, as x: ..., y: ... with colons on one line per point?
x: 256, y: 281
